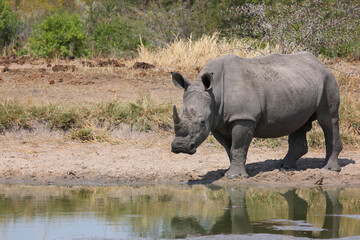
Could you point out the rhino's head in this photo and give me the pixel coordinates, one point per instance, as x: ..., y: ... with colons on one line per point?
x: 194, y: 123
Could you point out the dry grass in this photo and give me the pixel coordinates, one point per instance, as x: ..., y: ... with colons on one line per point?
x: 190, y: 53
x: 349, y: 120
x: 349, y: 85
x: 87, y: 122
x: 347, y: 82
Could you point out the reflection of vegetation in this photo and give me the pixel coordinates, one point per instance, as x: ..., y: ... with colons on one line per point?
x: 181, y: 211
x: 186, y: 226
x: 265, y: 204
x: 316, y: 207
x: 151, y: 204
x: 350, y: 200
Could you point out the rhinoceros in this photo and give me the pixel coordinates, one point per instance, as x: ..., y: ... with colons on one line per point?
x: 237, y: 99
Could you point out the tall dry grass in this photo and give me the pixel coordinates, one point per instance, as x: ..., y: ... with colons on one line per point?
x: 190, y: 53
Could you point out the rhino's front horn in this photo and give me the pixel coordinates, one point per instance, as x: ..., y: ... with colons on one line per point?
x: 176, y: 117
x: 179, y: 126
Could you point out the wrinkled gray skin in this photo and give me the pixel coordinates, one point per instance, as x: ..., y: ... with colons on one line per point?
x: 237, y: 99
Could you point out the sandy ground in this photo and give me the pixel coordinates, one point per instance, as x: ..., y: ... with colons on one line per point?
x: 41, y: 156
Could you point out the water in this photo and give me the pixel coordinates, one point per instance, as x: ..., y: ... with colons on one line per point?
x: 182, y: 211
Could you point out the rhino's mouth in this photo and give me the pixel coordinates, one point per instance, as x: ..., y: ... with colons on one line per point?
x: 191, y: 151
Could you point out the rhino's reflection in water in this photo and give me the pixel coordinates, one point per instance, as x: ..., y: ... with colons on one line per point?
x: 177, y: 211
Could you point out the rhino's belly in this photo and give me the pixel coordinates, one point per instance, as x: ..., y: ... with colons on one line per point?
x: 281, y: 126
x: 286, y: 110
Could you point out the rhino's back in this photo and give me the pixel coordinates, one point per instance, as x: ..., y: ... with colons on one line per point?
x: 283, y: 91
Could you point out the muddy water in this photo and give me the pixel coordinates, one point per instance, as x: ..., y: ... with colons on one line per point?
x: 182, y: 211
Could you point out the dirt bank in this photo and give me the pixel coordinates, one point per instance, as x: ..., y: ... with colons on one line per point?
x: 43, y: 157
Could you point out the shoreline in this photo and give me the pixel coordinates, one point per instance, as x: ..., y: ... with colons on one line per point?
x: 146, y: 159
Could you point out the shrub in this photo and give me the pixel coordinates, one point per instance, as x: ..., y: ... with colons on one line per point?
x: 21, y: 52
x: 60, y: 34
x: 117, y: 36
x: 63, y: 118
x: 9, y: 25
x: 12, y: 114
x: 83, y: 134
x: 322, y: 27
x: 166, y: 20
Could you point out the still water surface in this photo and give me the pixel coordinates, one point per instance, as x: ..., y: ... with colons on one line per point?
x: 182, y: 211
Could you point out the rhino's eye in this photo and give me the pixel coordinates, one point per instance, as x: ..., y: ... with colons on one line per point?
x: 192, y: 111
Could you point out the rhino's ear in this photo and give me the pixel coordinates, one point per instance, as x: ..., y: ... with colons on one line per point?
x: 207, y: 80
x: 180, y: 81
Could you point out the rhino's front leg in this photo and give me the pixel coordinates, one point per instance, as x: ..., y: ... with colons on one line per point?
x: 241, y: 134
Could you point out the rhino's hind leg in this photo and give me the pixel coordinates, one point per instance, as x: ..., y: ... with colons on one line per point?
x: 330, y: 126
x: 327, y: 115
x: 297, y: 148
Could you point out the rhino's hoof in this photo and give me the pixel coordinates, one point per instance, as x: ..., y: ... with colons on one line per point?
x: 332, y: 167
x: 235, y: 176
x: 287, y: 166
x: 290, y: 168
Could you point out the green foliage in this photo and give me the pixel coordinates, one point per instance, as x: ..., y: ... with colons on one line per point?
x: 168, y: 20
x: 12, y: 113
x: 60, y: 34
x: 328, y: 27
x: 113, y: 27
x: 87, y: 122
x: 63, y: 118
x: 143, y: 113
x: 83, y: 134
x: 321, y: 27
x: 21, y: 52
x: 116, y: 36
x: 9, y: 25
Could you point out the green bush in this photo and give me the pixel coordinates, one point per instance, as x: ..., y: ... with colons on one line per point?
x: 12, y: 114
x: 9, y: 25
x: 63, y: 119
x: 329, y: 27
x: 83, y: 134
x: 21, y: 52
x: 59, y: 35
x: 117, y: 36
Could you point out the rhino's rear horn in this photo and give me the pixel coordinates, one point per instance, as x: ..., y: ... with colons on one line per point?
x: 176, y: 117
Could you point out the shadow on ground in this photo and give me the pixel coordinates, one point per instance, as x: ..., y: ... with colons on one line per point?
x: 267, y: 166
